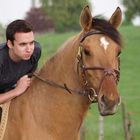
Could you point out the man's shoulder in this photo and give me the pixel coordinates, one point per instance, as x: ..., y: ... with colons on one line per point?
x: 37, y: 45
x: 37, y: 49
x: 2, y: 46
x: 37, y: 52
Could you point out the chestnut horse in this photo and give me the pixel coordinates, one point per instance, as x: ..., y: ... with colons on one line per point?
x: 84, y: 70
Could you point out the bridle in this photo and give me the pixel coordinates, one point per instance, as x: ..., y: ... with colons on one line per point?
x: 91, y: 92
x: 87, y: 90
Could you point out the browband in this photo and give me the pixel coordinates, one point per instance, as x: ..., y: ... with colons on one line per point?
x: 88, y: 34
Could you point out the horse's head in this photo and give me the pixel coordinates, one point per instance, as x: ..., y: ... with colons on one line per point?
x: 100, y: 45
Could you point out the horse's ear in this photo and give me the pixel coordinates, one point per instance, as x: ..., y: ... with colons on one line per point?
x: 116, y: 18
x: 86, y: 18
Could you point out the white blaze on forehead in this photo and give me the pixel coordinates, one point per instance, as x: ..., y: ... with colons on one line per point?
x: 104, y: 43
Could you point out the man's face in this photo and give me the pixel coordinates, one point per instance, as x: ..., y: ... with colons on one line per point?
x: 22, y: 47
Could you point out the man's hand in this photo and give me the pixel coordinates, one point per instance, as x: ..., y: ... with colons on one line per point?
x: 22, y: 84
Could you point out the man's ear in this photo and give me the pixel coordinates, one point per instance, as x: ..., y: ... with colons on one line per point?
x: 9, y: 44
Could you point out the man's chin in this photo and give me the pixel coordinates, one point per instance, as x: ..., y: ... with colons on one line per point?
x: 27, y: 58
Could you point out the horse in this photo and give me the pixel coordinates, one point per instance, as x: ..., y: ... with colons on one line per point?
x: 84, y: 70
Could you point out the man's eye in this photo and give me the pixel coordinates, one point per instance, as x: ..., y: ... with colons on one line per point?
x: 32, y: 43
x: 23, y: 44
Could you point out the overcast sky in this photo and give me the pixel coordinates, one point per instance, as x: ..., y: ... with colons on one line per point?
x: 13, y: 9
x: 105, y: 7
x: 16, y: 9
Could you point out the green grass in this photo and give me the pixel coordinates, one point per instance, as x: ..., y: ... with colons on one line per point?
x: 129, y: 85
x: 130, y: 81
x: 50, y: 43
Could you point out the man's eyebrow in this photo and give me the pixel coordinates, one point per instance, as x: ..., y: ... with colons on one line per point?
x: 32, y: 41
x: 24, y: 43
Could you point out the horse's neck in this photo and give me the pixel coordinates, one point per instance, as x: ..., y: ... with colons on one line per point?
x: 61, y: 68
x: 49, y: 105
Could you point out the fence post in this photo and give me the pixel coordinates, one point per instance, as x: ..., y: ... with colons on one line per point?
x: 126, y: 123
x: 101, y: 127
x: 83, y: 132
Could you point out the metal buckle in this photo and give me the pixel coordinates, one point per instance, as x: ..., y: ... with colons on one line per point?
x: 79, y: 52
x: 92, y: 95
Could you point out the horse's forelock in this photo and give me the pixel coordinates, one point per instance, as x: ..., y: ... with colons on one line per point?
x: 106, y: 28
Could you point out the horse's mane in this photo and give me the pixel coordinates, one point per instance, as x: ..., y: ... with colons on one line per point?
x: 68, y: 46
x: 106, y: 28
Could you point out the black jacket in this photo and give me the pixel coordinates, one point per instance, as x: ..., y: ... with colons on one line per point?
x: 10, y: 72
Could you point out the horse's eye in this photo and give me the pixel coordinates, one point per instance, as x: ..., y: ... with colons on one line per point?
x: 86, y: 52
x: 119, y: 53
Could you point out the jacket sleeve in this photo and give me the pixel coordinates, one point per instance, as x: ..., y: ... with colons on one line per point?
x: 1, y: 57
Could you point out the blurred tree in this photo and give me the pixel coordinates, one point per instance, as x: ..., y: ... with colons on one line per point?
x: 33, y: 3
x: 40, y: 21
x: 2, y: 34
x: 132, y: 10
x: 65, y: 13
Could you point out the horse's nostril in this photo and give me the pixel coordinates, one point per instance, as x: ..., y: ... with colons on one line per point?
x: 108, y: 101
x: 104, y: 99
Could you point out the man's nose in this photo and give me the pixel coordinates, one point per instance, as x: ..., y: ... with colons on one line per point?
x: 28, y: 48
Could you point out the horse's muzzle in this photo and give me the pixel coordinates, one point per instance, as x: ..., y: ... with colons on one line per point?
x: 107, y: 107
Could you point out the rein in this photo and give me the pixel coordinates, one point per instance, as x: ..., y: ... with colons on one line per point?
x: 51, y: 83
x: 87, y: 90
x: 65, y: 87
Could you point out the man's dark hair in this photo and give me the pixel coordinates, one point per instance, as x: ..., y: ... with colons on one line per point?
x: 17, y: 26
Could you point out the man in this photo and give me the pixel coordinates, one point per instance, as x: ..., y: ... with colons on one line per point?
x: 18, y: 57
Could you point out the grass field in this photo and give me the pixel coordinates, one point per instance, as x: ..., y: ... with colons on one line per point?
x: 129, y: 84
